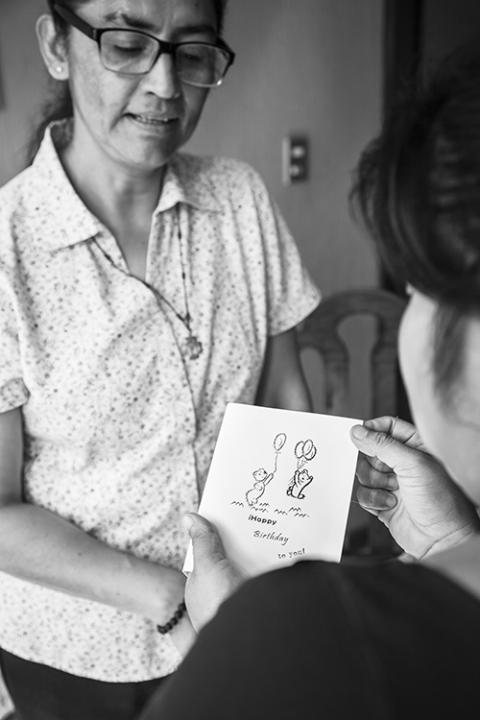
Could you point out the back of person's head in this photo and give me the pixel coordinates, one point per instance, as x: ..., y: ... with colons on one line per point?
x: 418, y: 188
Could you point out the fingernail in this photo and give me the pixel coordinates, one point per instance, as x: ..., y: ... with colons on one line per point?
x: 391, y: 501
x: 359, y: 432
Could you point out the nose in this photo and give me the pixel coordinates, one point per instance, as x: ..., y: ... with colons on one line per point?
x: 162, y: 80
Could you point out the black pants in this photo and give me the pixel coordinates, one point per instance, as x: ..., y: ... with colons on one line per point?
x: 40, y: 692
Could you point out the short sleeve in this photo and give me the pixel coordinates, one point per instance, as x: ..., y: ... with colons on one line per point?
x: 13, y: 391
x: 292, y: 294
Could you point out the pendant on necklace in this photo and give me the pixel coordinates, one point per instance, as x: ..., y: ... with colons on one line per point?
x: 193, y: 347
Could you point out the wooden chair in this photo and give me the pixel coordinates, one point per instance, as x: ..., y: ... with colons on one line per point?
x: 320, y: 332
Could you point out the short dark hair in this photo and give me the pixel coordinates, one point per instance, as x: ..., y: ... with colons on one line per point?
x: 418, y: 189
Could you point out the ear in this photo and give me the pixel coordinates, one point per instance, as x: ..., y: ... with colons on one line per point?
x: 52, y: 47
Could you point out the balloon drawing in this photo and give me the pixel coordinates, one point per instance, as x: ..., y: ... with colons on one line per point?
x: 261, y: 477
x: 304, y: 451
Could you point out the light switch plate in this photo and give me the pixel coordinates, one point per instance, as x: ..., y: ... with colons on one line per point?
x: 295, y: 159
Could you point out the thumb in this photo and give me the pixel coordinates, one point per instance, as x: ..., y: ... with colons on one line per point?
x: 206, y: 543
x: 382, y: 446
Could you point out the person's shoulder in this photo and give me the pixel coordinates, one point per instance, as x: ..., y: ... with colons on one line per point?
x: 309, y: 579
x: 414, y: 578
x: 399, y: 597
x: 386, y: 587
x: 14, y: 190
x: 17, y: 201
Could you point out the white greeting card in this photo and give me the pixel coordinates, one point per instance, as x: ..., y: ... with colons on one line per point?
x: 279, y: 486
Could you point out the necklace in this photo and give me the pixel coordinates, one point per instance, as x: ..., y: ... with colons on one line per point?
x: 192, y: 347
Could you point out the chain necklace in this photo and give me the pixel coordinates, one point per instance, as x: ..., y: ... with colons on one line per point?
x: 192, y: 347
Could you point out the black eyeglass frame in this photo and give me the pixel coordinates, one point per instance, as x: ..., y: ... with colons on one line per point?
x: 163, y: 46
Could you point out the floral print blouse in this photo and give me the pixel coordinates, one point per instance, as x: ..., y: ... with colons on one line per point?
x: 119, y: 422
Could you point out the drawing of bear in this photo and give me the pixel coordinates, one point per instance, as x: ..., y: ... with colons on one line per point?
x: 261, y: 480
x: 298, y: 483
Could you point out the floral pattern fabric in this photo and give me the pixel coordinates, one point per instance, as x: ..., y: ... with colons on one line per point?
x: 119, y: 423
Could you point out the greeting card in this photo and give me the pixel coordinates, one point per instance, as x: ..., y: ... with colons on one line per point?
x: 279, y: 486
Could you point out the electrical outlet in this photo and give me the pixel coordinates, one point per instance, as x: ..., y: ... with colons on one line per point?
x: 295, y: 157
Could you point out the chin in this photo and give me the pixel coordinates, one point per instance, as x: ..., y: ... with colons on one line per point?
x: 147, y: 162
x: 148, y: 154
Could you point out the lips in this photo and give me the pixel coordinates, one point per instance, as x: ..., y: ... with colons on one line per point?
x: 153, y: 120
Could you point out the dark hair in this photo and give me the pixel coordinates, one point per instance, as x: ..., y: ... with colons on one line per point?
x: 418, y: 189
x: 59, y: 101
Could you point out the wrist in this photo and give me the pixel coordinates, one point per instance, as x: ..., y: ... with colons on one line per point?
x: 154, y: 590
x: 183, y: 635
x: 174, y: 620
x: 170, y: 595
x: 453, y: 539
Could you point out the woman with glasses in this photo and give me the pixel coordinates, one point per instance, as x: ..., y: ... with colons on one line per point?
x: 366, y: 639
x: 141, y: 289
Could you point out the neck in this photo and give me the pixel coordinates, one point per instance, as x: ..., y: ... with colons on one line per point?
x: 118, y: 195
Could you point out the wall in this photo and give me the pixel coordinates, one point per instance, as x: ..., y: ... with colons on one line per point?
x: 312, y: 66
x: 22, y: 80
x: 309, y: 66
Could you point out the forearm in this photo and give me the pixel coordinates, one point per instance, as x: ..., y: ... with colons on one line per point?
x: 39, y: 546
x: 283, y: 383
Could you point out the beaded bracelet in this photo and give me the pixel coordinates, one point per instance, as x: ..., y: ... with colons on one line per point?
x: 177, y: 615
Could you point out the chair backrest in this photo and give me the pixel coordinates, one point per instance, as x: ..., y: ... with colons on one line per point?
x: 320, y: 331
x: 365, y: 536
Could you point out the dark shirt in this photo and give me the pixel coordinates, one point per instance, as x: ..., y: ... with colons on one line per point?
x: 320, y: 640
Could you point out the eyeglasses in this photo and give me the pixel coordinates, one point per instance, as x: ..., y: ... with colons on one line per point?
x: 134, y: 52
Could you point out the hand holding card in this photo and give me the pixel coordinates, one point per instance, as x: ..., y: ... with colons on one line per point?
x: 279, y: 486
x: 213, y: 577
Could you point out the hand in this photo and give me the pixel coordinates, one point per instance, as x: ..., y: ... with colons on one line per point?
x: 213, y: 577
x: 183, y: 635
x: 408, y: 490
x: 171, y: 585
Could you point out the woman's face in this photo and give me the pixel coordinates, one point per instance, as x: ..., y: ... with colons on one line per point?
x: 451, y: 431
x: 137, y: 121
